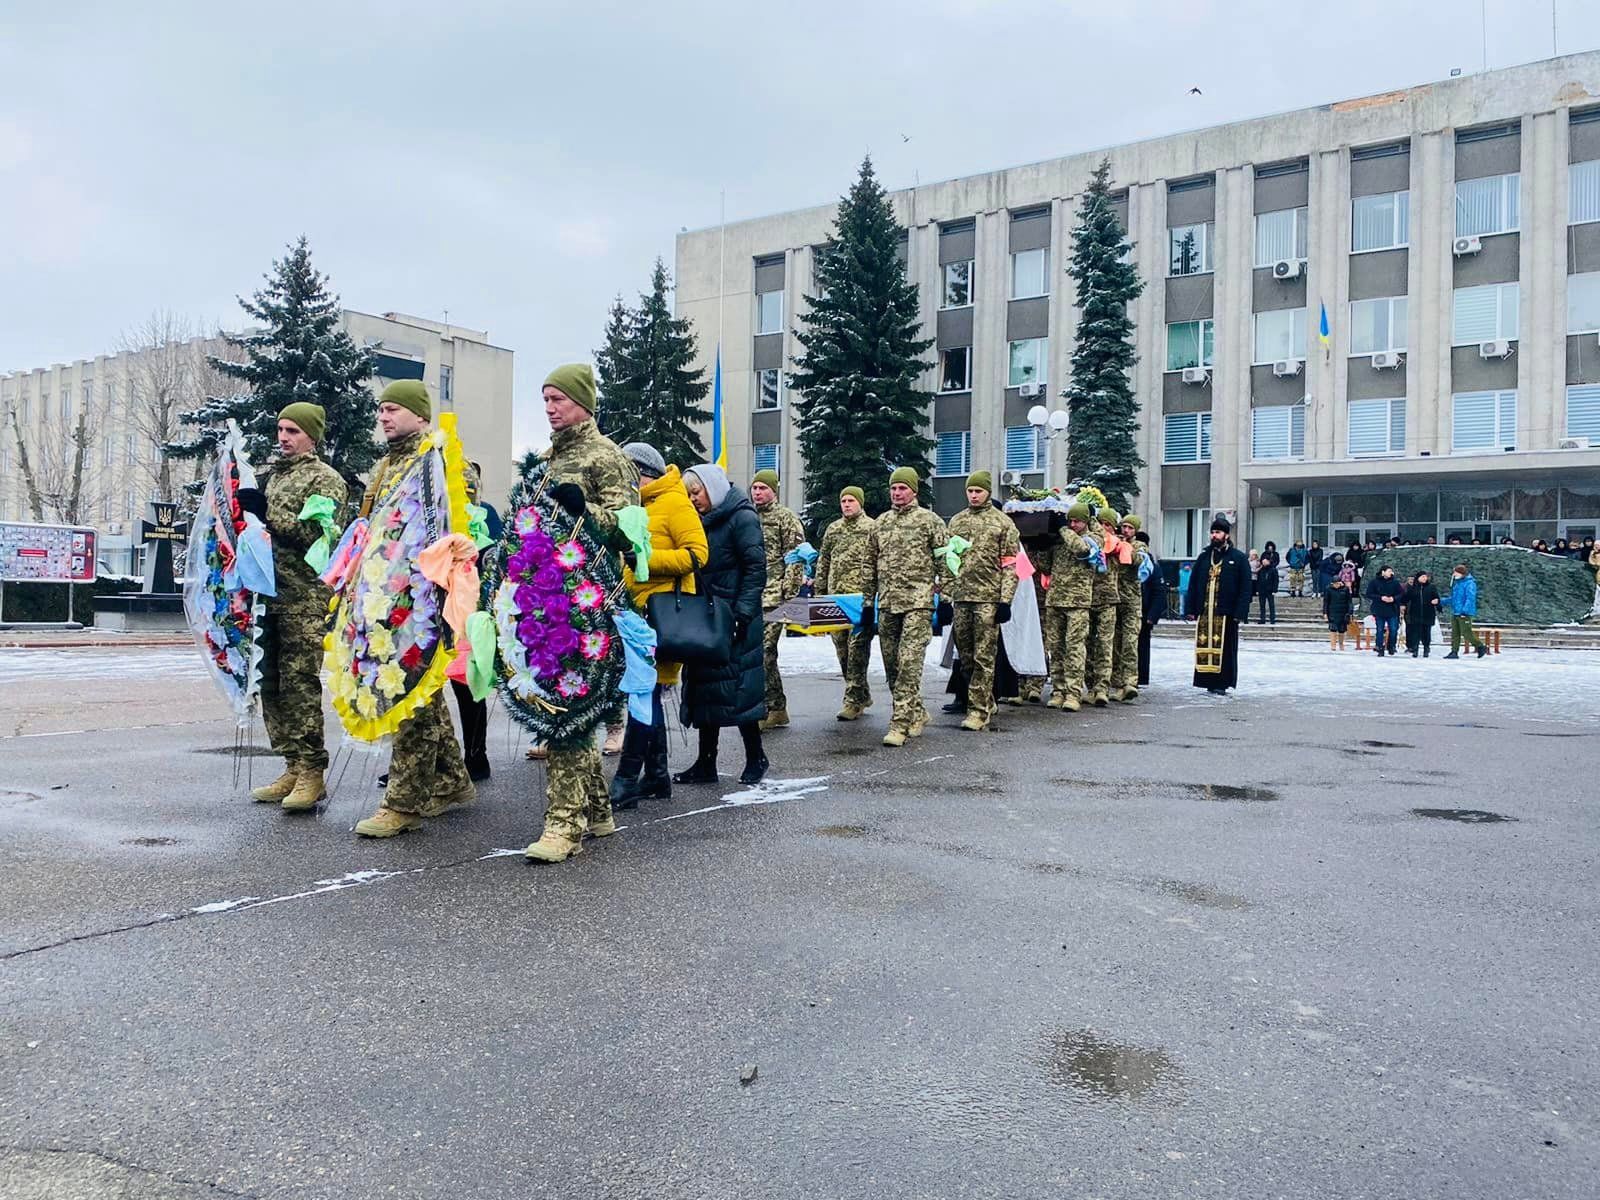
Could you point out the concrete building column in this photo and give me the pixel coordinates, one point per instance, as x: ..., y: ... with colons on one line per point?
x: 922, y: 271
x: 1430, y: 283
x: 991, y: 291
x: 1327, y: 283
x: 1542, y: 294
x: 1064, y: 317
x: 1230, y: 377
x: 1147, y: 225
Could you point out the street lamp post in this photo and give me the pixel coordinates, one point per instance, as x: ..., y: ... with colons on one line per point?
x: 1052, y: 422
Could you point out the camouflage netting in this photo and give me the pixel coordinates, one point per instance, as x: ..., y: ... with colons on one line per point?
x: 1515, y: 586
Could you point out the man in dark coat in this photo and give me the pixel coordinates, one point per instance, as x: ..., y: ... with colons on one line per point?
x: 1384, y: 593
x: 1152, y: 609
x: 1219, y: 598
x: 1422, y: 610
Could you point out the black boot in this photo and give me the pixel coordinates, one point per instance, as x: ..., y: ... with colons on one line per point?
x: 955, y: 706
x: 656, y: 782
x: 704, y: 769
x: 477, y: 767
x: 755, y: 759
x: 1482, y: 650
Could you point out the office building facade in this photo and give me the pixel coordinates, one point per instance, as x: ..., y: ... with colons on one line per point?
x: 1451, y: 231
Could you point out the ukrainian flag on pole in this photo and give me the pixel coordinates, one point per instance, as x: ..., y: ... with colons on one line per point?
x: 1322, y: 328
x: 719, y: 442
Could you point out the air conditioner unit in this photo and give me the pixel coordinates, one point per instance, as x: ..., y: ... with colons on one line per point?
x: 1499, y: 348
x: 1287, y: 268
x: 1031, y: 389
x: 1286, y: 367
x: 1010, y: 478
x: 1577, y: 443
x: 1463, y: 246
x: 114, y: 529
x: 1196, y: 375
x: 1389, y: 360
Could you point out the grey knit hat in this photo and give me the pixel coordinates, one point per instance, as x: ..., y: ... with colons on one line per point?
x: 647, y: 458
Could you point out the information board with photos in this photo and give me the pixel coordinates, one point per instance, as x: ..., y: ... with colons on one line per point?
x: 46, y: 553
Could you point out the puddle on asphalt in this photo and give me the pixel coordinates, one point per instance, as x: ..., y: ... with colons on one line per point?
x: 150, y: 841
x: 1202, y: 894
x: 1388, y: 745
x: 1533, y: 733
x: 1230, y: 791
x: 1467, y: 816
x: 241, y: 751
x: 10, y: 798
x: 1086, y: 1062
x: 843, y: 831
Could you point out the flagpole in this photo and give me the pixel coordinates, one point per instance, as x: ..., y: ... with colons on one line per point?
x: 719, y: 437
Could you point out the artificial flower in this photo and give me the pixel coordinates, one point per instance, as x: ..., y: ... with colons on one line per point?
x: 366, y: 703
x: 588, y: 596
x: 399, y: 616
x: 411, y: 658
x: 570, y: 556
x: 571, y: 685
x: 374, y: 606
x: 380, y: 642
x: 391, y: 679
x: 527, y: 521
x: 595, y: 646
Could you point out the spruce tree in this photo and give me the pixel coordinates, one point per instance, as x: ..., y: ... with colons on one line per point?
x: 649, y: 389
x: 1105, y: 415
x: 298, y: 351
x: 858, y: 410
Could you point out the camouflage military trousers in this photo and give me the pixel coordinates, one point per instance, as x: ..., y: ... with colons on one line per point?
x: 425, y: 766
x: 1066, y: 640
x: 576, y: 790
x: 1102, y: 648
x: 291, y: 687
x: 977, y: 637
x: 770, y: 637
x: 903, y: 638
x: 855, y: 654
x: 1125, y: 651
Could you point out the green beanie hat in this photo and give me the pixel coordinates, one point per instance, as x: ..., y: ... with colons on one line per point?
x: 311, y: 418
x: 409, y: 394
x: 853, y: 490
x: 575, y: 381
x: 1130, y: 519
x: 1108, y: 516
x: 907, y: 476
x: 1078, y: 512
x: 981, y: 479
x: 767, y: 476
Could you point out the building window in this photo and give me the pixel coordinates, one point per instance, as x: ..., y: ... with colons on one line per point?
x: 1486, y: 206
x: 1583, y: 413
x: 447, y: 386
x: 130, y: 452
x: 1278, y: 432
x: 1485, y: 313
x: 1024, y: 448
x: 957, y: 284
x: 88, y: 396
x: 769, y: 312
x: 952, y: 454
x: 765, y: 456
x: 1380, y: 222
x: 1483, y: 421
x: 1190, y: 344
x: 108, y: 392
x: 105, y: 451
x: 1189, y: 249
x: 1030, y: 273
x: 1377, y: 427
x: 1280, y: 235
x: 1027, y: 362
x: 44, y: 406
x: 1583, y: 303
x: 1183, y: 532
x: 769, y: 388
x: 1583, y: 192
x: 1280, y: 334
x: 1377, y: 325
x: 66, y: 402
x: 1187, y: 438
x: 955, y: 369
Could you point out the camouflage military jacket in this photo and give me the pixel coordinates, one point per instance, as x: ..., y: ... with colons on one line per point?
x: 1129, y: 589
x: 581, y: 454
x: 988, y: 569
x: 904, y: 573
x: 1107, y: 586
x: 842, y: 563
x: 1072, y: 576
x: 399, y: 454
x: 290, y: 481
x: 781, y: 532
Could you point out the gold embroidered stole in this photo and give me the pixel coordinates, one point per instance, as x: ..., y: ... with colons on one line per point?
x: 1210, y: 629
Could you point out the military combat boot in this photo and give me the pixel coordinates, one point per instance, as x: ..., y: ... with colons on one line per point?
x: 275, y: 791
x: 1129, y: 694
x: 848, y: 713
x: 308, y: 791
x: 1058, y: 699
x: 1099, y: 700
x: 601, y: 829
x: 917, y: 727
x: 462, y: 795
x: 974, y: 723
x: 1070, y: 703
x: 777, y: 718
x: 1115, y: 693
x: 894, y: 737
x: 386, y: 822
x: 553, y: 847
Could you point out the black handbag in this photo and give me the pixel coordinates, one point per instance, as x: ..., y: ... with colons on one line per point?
x: 691, y: 627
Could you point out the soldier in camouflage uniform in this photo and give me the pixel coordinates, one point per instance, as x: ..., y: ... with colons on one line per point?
x: 1103, y: 615
x: 842, y: 569
x: 904, y: 575
x: 588, y: 474
x: 1130, y: 613
x: 982, y: 593
x: 1066, y: 609
x: 291, y: 679
x: 426, y: 772
x: 781, y: 532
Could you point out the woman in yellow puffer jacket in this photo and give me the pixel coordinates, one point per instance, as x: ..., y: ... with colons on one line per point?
x: 677, y: 547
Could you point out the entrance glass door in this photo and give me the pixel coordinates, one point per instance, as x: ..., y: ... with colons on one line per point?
x: 1343, y: 535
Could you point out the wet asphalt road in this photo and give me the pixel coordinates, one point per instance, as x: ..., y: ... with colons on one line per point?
x: 1046, y: 961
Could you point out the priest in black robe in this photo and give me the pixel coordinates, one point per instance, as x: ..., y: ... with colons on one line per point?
x: 1218, y: 599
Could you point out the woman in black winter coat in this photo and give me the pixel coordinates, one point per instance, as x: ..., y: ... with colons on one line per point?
x: 1153, y: 597
x: 1421, y: 607
x: 1267, y: 586
x: 735, y: 571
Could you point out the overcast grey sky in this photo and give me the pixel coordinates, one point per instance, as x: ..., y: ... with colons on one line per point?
x: 519, y: 164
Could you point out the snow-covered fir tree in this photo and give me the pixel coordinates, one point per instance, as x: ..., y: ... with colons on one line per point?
x: 859, y: 411
x: 1105, y: 416
x: 297, y: 351
x: 649, y: 390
